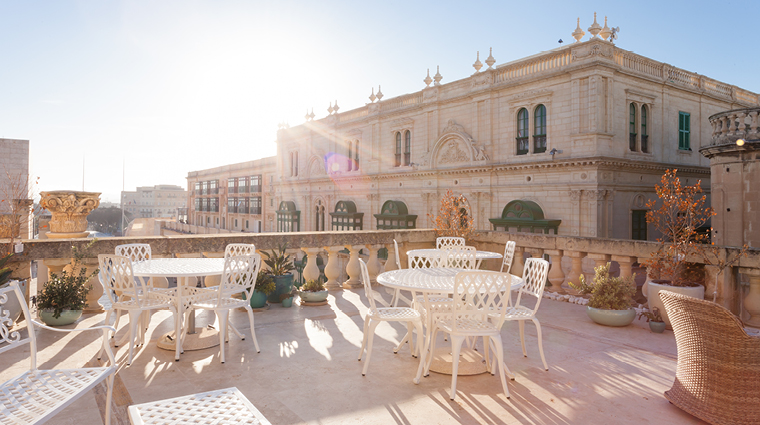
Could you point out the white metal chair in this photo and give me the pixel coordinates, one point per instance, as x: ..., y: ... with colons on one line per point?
x: 459, y: 257
x: 376, y: 315
x: 509, y: 255
x: 239, y: 275
x: 117, y: 278
x: 397, y: 295
x: 448, y: 241
x: 37, y: 395
x: 478, y: 309
x: 534, y: 275
x: 237, y: 249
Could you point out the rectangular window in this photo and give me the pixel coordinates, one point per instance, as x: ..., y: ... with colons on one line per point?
x: 242, y: 184
x: 398, y: 149
x: 639, y: 225
x: 256, y: 183
x: 231, y: 186
x: 231, y: 205
x: 197, y: 188
x: 256, y: 205
x: 644, y: 134
x: 684, y: 130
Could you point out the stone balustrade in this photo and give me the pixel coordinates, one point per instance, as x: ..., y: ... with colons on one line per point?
x: 570, y: 256
x: 729, y: 126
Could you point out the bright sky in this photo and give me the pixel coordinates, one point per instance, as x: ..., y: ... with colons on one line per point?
x: 167, y: 87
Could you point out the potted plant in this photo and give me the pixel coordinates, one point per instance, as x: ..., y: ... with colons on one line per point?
x: 610, y: 300
x: 313, y: 291
x: 677, y: 216
x: 264, y: 286
x: 280, y: 267
x: 64, y: 296
x: 654, y: 318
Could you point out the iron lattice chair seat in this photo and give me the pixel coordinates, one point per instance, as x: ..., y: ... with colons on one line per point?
x: 394, y: 313
x: 466, y: 326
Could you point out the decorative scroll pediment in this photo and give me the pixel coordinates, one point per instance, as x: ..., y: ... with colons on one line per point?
x: 456, y: 147
x: 317, y: 167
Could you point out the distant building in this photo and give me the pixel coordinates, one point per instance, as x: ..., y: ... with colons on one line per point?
x: 154, y: 201
x: 236, y: 197
x: 14, y: 185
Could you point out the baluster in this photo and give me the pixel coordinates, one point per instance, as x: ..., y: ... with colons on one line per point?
x: 332, y: 269
x: 575, y: 271
x: 517, y: 262
x: 556, y: 275
x: 752, y: 300
x: 374, y: 266
x: 311, y: 270
x: 353, y: 269
x: 753, y: 131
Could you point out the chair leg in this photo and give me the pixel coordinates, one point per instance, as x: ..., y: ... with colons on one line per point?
x: 431, y: 353
x: 177, y: 334
x: 134, y: 322
x: 522, y: 336
x: 406, y: 338
x: 109, y: 397
x: 456, y: 348
x: 224, y: 316
x: 540, y: 343
x: 116, y: 321
x: 500, y: 358
x: 253, y: 330
x: 418, y: 346
x: 371, y: 329
x: 364, y: 337
x: 236, y: 331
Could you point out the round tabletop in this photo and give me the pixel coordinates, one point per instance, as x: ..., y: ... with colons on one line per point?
x: 479, y: 255
x: 435, y: 280
x: 178, y: 267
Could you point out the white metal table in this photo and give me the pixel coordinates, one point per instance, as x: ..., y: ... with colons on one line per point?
x: 183, y: 269
x: 429, y: 252
x: 432, y: 281
x: 223, y: 407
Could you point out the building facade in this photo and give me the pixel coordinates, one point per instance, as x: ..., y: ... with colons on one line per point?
x: 236, y: 197
x: 160, y: 201
x: 15, y: 189
x: 570, y: 141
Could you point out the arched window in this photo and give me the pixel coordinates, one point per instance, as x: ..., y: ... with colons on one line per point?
x: 632, y: 127
x: 522, y: 131
x: 539, y: 129
x: 350, y: 155
x: 644, y: 135
x: 407, y: 147
x: 398, y: 149
x: 356, y: 155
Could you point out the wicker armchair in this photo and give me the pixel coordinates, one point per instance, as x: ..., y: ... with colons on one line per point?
x: 718, y: 373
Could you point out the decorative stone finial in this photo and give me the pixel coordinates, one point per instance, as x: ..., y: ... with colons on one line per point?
x: 379, y: 93
x: 578, y: 33
x: 477, y: 65
x: 330, y: 109
x: 490, y: 61
x: 336, y: 107
x: 437, y: 77
x: 427, y: 79
x: 311, y: 115
x: 595, y: 28
x: 372, y: 97
x: 605, y: 33
x: 306, y: 117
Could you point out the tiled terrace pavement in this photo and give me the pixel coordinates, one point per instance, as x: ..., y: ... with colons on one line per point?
x: 307, y: 371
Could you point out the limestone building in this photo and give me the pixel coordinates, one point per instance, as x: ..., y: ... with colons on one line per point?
x: 236, y: 197
x: 154, y: 201
x: 15, y: 186
x: 570, y: 140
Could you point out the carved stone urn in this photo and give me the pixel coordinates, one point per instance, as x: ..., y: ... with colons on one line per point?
x: 69, y: 210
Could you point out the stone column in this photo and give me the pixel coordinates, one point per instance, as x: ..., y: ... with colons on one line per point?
x: 332, y: 269
x: 353, y: 269
x: 752, y: 300
x: 374, y: 267
x: 599, y: 260
x: 311, y: 270
x: 517, y: 262
x: 556, y: 275
x: 575, y: 271
x: 626, y: 264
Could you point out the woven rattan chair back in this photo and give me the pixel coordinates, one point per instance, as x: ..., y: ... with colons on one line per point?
x: 535, y: 272
x: 509, y: 255
x: 448, y: 241
x: 134, y: 251
x: 478, y: 294
x: 116, y: 275
x: 718, y: 372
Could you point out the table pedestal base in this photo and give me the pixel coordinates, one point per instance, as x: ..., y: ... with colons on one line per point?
x: 202, y: 338
x: 471, y: 362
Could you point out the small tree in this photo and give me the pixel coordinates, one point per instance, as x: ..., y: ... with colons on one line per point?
x: 680, y: 214
x: 452, y: 218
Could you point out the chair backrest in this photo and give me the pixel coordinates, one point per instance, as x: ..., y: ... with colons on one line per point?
x: 447, y: 241
x: 10, y: 339
x: 478, y: 294
x: 398, y: 258
x: 535, y: 273
x: 459, y: 257
x: 235, y: 249
x: 115, y: 274
x: 239, y: 275
x: 509, y: 255
x: 368, y: 292
x: 134, y: 251
x: 431, y: 259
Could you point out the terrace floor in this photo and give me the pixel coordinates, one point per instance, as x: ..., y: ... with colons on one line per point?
x: 307, y: 372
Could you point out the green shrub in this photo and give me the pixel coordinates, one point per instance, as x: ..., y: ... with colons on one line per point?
x: 607, y: 293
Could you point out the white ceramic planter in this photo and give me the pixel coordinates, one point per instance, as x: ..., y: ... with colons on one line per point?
x: 652, y: 293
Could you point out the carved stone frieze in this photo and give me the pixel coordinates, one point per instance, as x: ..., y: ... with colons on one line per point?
x: 575, y: 195
x: 401, y: 124
x: 595, y: 50
x: 531, y: 94
x: 453, y: 127
x: 452, y: 154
